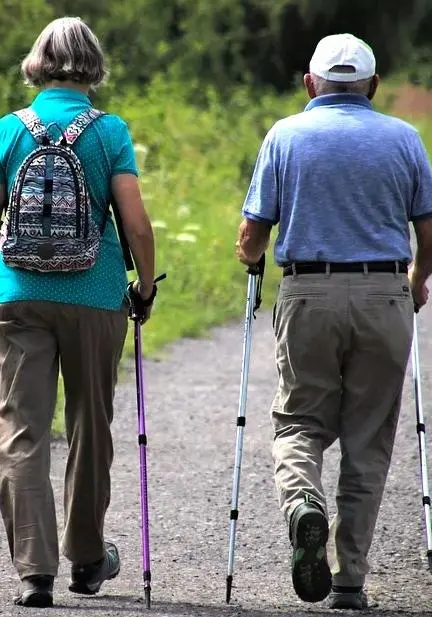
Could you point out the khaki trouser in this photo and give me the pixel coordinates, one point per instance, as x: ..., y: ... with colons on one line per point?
x: 342, y: 346
x: 34, y: 337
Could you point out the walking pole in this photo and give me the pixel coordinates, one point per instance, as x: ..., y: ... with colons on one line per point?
x: 142, y: 442
x: 421, y: 431
x: 136, y: 314
x: 253, y: 302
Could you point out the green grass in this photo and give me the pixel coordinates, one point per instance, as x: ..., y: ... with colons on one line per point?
x: 58, y: 424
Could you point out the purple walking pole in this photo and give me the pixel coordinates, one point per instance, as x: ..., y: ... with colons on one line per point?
x: 142, y: 442
x: 138, y: 312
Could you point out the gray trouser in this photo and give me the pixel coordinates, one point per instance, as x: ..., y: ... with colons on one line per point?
x: 34, y: 337
x: 342, y: 346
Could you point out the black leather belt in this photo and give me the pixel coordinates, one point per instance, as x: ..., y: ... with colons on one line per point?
x: 316, y: 267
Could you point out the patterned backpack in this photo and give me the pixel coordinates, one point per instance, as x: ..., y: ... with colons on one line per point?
x: 48, y: 226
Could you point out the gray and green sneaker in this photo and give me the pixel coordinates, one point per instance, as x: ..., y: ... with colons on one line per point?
x: 348, y: 599
x: 310, y: 571
x: 87, y: 579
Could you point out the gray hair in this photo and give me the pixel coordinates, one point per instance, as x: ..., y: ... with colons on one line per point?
x: 325, y: 86
x: 66, y: 50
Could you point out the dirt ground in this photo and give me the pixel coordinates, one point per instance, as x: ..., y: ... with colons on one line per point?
x: 191, y: 409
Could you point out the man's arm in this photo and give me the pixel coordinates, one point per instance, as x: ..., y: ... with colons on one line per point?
x: 253, y: 240
x: 421, y: 217
x: 422, y: 266
x: 261, y: 206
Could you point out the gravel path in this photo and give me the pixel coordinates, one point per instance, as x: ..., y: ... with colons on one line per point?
x: 192, y: 406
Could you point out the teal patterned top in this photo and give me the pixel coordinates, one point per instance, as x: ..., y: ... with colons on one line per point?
x: 105, y: 149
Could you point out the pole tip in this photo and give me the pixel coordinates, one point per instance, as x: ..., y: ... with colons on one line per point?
x: 147, y: 593
x: 229, y: 582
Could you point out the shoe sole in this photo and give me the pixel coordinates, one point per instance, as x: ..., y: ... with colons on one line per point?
x: 310, y: 572
x: 348, y: 603
x: 36, y: 599
x: 90, y: 590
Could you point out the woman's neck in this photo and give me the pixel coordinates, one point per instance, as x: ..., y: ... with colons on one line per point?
x: 70, y: 85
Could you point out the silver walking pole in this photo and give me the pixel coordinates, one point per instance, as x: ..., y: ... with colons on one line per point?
x: 253, y: 301
x: 421, y: 431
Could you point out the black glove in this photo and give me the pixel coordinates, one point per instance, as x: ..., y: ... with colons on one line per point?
x: 138, y: 306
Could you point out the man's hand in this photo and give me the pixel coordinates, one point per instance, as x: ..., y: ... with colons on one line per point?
x: 252, y: 241
x: 240, y: 239
x: 242, y: 257
x: 420, y: 292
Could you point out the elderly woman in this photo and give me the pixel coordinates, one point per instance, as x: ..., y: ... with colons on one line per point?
x: 75, y: 319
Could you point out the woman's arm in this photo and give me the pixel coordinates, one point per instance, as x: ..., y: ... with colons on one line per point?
x: 137, y: 228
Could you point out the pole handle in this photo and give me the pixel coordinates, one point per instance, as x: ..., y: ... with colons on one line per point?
x: 137, y: 306
x: 257, y: 270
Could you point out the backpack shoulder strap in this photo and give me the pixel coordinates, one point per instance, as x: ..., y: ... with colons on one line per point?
x: 32, y: 122
x: 70, y: 135
x: 127, y: 256
x: 79, y: 124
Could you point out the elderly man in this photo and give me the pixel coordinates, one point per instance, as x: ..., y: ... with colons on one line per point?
x: 342, y: 182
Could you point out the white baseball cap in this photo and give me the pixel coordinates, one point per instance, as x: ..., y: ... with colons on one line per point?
x: 343, y: 50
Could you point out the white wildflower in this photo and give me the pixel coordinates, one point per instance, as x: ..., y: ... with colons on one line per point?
x: 192, y: 227
x: 159, y: 224
x: 186, y: 238
x: 184, y: 210
x: 141, y: 149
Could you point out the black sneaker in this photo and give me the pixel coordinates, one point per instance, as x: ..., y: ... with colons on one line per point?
x: 310, y: 571
x: 88, y: 579
x: 354, y: 600
x: 35, y: 591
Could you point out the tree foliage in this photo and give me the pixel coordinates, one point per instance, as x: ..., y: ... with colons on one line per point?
x: 20, y: 21
x: 225, y: 42
x: 220, y: 42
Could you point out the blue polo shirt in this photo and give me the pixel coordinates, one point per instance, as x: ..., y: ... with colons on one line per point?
x: 342, y: 181
x: 105, y: 149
